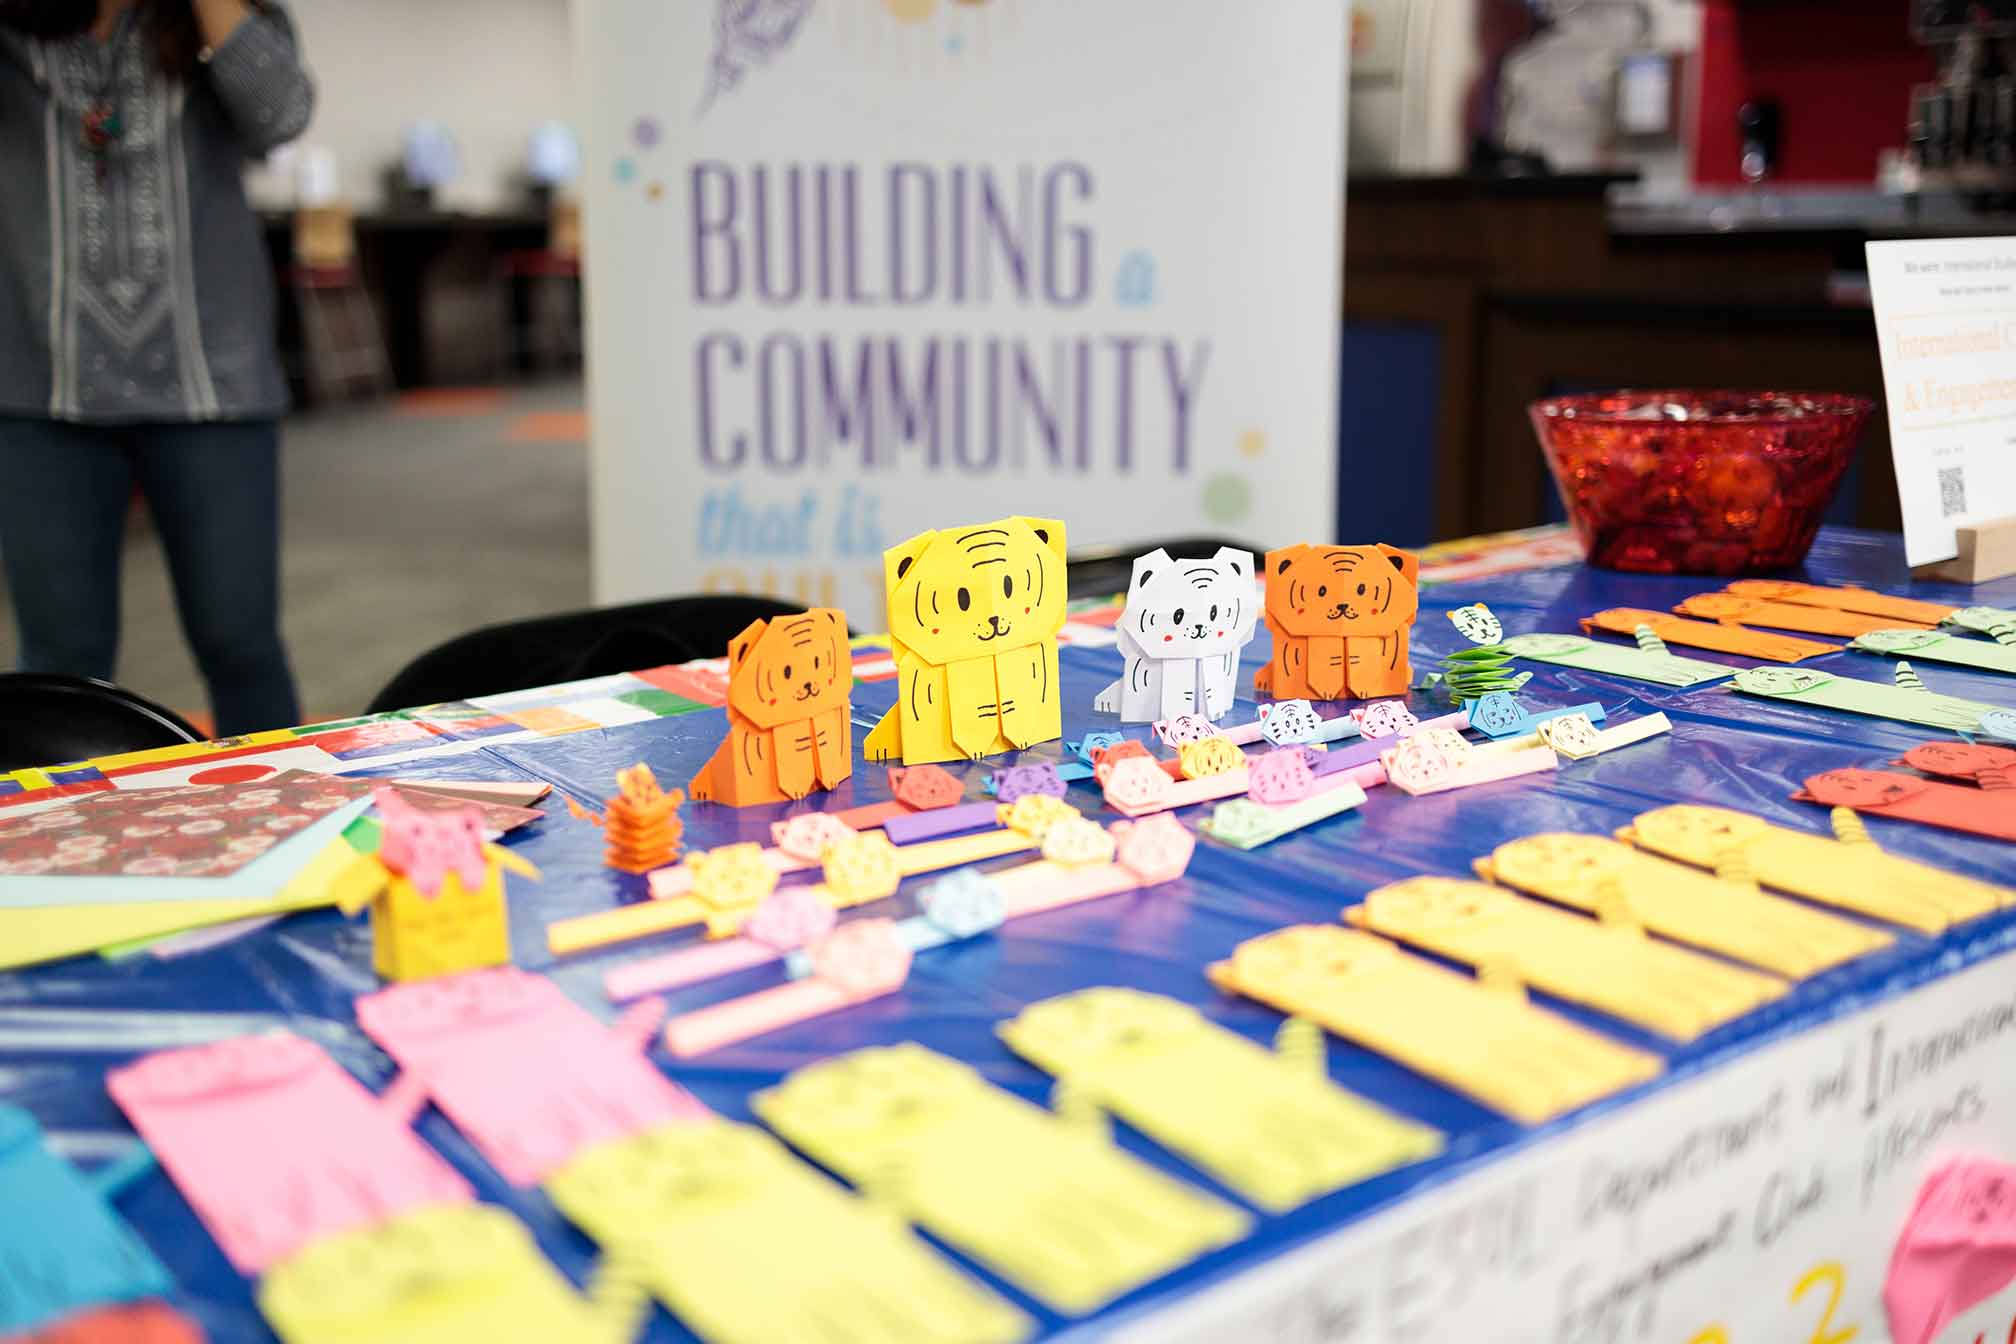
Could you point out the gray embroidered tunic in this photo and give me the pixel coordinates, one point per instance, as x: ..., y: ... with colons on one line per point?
x: 134, y: 282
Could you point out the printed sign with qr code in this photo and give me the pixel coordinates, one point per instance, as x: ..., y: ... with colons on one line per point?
x: 1952, y: 491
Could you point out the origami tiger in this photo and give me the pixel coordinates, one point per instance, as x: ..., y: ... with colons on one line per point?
x: 973, y: 620
x: 1339, y: 617
x: 789, y: 730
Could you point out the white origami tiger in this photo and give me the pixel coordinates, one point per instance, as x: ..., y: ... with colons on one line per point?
x: 1185, y: 624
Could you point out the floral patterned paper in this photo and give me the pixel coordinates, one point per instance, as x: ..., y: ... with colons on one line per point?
x: 199, y: 831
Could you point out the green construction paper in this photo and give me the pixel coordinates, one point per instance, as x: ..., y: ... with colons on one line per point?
x: 1619, y: 660
x: 1804, y: 686
x: 1934, y: 647
x: 1994, y: 622
x: 662, y: 703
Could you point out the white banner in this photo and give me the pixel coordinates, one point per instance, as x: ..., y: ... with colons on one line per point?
x: 1757, y: 1203
x: 858, y: 268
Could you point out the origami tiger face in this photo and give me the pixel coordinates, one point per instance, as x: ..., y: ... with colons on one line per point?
x: 976, y: 592
x: 1342, y: 590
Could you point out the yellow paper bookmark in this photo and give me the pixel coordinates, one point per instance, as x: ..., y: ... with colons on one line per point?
x: 744, y: 1243
x: 1613, y: 968
x: 1620, y: 884
x: 1851, y: 872
x: 445, y: 1274
x: 1481, y: 1038
x: 1047, y: 1201
x: 1268, y: 1123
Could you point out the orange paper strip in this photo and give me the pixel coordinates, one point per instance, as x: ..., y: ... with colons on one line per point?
x: 1732, y: 610
x: 1861, y: 600
x: 1707, y: 635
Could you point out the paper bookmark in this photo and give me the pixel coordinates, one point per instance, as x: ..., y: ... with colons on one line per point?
x: 1136, y: 786
x: 1909, y: 610
x: 1360, y: 753
x: 1291, y: 723
x: 450, y: 1274
x: 1979, y: 763
x: 1730, y: 610
x: 1664, y: 669
x: 1824, y: 690
x: 796, y: 845
x: 856, y: 963
x: 1612, y: 968
x: 62, y: 1247
x: 1054, y: 777
x: 1440, y: 759
x: 215, y: 1116
x: 520, y: 1069
x: 1884, y: 793
x: 1573, y: 736
x: 1622, y: 885
x: 1855, y: 875
x: 1048, y: 1202
x: 1270, y: 1125
x: 1934, y: 647
x: 742, y: 1242
x: 1484, y: 1040
x: 1711, y: 635
x: 1500, y: 715
x: 1245, y: 824
x: 1994, y: 622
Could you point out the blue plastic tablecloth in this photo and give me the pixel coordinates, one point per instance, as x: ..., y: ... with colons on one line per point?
x: 63, y: 1026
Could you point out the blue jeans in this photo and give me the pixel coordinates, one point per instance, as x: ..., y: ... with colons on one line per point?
x: 214, y: 493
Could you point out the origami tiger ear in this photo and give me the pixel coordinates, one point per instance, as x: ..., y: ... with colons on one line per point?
x: 1240, y: 562
x: 1049, y: 531
x: 1147, y: 566
x: 1408, y: 563
x: 740, y: 646
x: 1278, y: 561
x: 897, y: 560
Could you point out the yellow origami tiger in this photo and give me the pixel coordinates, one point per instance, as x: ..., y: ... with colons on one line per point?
x: 973, y: 620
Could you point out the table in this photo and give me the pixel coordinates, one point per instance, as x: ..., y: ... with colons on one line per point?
x: 1774, y: 1150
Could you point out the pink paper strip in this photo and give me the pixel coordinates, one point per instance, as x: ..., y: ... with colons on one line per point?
x: 528, y: 1075
x: 276, y: 1146
x: 706, y: 1029
x: 687, y: 966
x: 1358, y: 753
x: 871, y: 815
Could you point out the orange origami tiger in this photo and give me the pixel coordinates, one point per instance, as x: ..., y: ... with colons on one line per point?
x: 1339, y: 617
x: 789, y: 729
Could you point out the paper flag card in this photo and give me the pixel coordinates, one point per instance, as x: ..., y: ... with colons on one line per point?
x: 1625, y: 886
x: 521, y: 1069
x: 1340, y: 618
x: 973, y: 620
x: 1957, y: 1248
x: 1732, y: 610
x: 1906, y: 609
x: 62, y: 1248
x: 1484, y: 1040
x: 1997, y: 624
x: 1181, y: 632
x: 1975, y: 762
x: 1270, y: 1125
x: 1885, y: 793
x: 1720, y: 638
x: 790, y: 732
x: 450, y: 1274
x: 1933, y: 647
x: 1854, y: 875
x: 744, y: 1243
x: 1824, y: 690
x: 213, y: 1113
x: 1662, y: 669
x: 1612, y: 968
x: 1047, y: 1201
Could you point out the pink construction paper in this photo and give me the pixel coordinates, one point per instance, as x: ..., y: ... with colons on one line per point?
x: 527, y: 1074
x: 275, y: 1146
x: 1958, y: 1247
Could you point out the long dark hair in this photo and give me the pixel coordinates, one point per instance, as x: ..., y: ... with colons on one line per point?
x: 171, y: 25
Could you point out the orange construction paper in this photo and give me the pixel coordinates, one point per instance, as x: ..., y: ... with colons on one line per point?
x: 1885, y: 793
x: 1732, y: 610
x: 1893, y: 609
x: 790, y: 732
x: 1707, y: 635
x: 1339, y: 617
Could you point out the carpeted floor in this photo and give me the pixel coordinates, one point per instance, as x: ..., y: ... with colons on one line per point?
x: 403, y: 526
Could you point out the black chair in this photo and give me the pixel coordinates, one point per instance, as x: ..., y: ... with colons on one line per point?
x: 547, y: 649
x: 1108, y: 570
x: 52, y: 720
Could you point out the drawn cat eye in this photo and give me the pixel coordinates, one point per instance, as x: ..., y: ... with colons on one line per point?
x: 787, y: 671
x: 1179, y: 615
x: 815, y: 662
x: 1322, y: 590
x: 965, y: 600
x: 1361, y: 590
x: 1007, y: 586
x: 1214, y: 611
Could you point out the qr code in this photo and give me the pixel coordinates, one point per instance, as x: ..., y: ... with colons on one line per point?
x: 1952, y: 491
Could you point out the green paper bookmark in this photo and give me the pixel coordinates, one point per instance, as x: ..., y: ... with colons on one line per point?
x: 1804, y: 686
x: 1994, y: 622
x: 1934, y: 647
x: 1618, y: 660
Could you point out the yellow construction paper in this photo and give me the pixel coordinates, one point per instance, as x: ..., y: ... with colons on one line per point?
x: 747, y: 1245
x: 1045, y: 1202
x: 447, y: 1274
x: 33, y: 934
x: 1857, y: 876
x: 1483, y: 1039
x: 1611, y: 967
x: 1616, y: 882
x: 1273, y: 1127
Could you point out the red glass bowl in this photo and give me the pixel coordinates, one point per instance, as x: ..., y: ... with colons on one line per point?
x: 1697, y: 482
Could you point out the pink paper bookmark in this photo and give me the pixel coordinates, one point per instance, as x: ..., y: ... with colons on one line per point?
x: 275, y: 1146
x: 861, y: 961
x: 521, y: 1069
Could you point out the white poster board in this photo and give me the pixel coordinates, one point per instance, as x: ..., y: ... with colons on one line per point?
x: 858, y: 268
x: 1946, y: 317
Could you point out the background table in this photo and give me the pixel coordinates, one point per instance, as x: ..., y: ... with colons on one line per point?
x: 63, y: 1026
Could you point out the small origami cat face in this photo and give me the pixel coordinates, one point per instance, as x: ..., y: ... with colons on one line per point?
x: 1286, y: 722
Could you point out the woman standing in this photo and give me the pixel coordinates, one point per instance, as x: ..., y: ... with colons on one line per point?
x: 136, y: 328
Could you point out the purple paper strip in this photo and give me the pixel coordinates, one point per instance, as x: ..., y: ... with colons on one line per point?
x: 908, y: 830
x: 1343, y: 758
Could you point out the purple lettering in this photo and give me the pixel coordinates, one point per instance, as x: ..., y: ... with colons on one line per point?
x: 1123, y: 399
x: 717, y: 225
x: 730, y: 347
x: 1067, y: 283
x: 911, y: 417
x: 920, y: 180
x: 842, y: 420
x: 781, y: 237
x: 792, y: 382
x: 1183, y: 384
